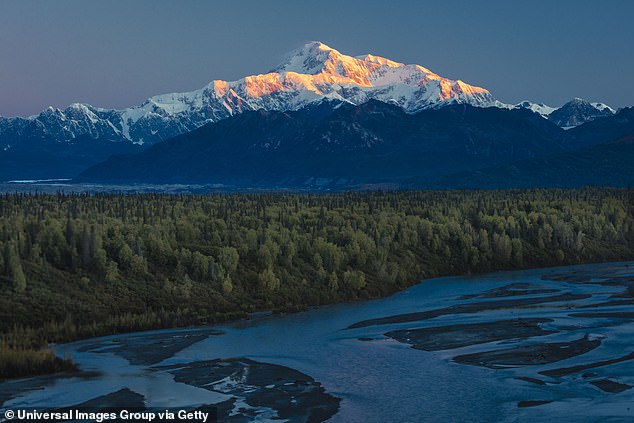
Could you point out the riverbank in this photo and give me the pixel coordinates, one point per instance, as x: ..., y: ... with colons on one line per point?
x: 17, y: 363
x: 537, y: 360
x: 27, y: 362
x: 78, y: 266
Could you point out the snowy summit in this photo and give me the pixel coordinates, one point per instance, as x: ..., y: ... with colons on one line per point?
x: 310, y: 74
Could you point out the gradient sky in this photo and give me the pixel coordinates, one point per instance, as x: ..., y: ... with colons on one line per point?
x: 116, y: 53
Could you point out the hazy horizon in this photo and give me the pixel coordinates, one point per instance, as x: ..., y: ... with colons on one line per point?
x: 117, y: 54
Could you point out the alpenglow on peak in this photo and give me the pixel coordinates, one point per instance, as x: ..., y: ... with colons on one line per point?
x: 411, y: 86
x: 309, y: 74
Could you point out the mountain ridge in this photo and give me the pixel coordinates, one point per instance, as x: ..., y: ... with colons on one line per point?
x: 374, y: 140
x: 309, y: 74
x: 312, y: 73
x: 313, y: 80
x: 377, y: 143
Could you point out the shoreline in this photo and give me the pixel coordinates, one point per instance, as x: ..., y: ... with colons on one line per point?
x: 260, y: 315
x: 514, y: 326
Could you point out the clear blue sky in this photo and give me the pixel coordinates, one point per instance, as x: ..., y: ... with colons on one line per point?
x: 116, y: 53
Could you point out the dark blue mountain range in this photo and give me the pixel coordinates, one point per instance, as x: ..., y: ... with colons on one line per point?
x: 341, y: 146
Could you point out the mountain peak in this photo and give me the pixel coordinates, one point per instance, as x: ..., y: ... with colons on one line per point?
x: 314, y: 49
x: 317, y: 45
x: 315, y: 58
x: 411, y: 86
x: 578, y: 100
x: 309, y: 59
x: 578, y: 111
x: 313, y: 73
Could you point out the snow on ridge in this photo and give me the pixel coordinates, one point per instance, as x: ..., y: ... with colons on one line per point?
x: 312, y: 73
x: 602, y: 107
x: 539, y: 108
x: 309, y: 74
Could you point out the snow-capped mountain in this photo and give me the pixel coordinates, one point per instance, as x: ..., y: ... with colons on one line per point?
x: 571, y: 114
x: 577, y: 112
x: 539, y: 108
x: 312, y: 73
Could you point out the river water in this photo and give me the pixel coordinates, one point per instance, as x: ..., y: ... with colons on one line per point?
x: 380, y: 378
